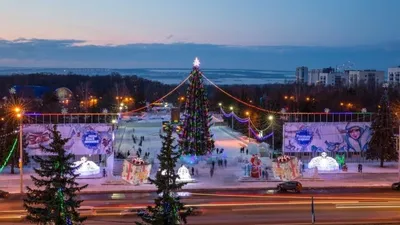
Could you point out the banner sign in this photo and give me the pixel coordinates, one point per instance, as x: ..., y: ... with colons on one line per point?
x: 326, y: 137
x: 84, y: 139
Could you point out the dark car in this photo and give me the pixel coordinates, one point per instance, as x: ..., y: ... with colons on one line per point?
x: 4, y: 194
x: 396, y: 186
x: 290, y: 186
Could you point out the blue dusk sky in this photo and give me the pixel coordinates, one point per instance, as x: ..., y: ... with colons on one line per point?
x: 257, y: 34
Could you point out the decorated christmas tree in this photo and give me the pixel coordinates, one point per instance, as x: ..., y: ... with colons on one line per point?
x: 168, y: 209
x: 53, y: 201
x: 195, y: 138
x: 382, y: 145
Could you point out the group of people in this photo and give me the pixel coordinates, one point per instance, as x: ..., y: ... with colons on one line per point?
x: 134, y: 139
x: 242, y: 150
x: 219, y: 151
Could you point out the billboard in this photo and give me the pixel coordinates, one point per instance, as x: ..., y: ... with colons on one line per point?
x: 85, y: 139
x: 326, y: 137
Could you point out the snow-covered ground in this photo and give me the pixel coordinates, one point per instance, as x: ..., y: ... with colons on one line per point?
x: 224, y: 177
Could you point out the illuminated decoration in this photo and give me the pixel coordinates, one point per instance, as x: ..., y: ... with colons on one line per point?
x: 304, y: 137
x: 189, y: 159
x: 283, y: 158
x: 64, y: 111
x: 13, y: 91
x: 326, y: 137
x: 258, y: 134
x: 136, y: 171
x: 323, y: 163
x: 86, y: 168
x: 184, y: 175
x: 285, y: 168
x: 63, y: 93
x: 195, y: 137
x: 326, y: 110
x: 364, y: 110
x: 84, y: 139
x: 255, y: 166
x: 105, y: 111
x: 196, y: 62
x: 91, y: 139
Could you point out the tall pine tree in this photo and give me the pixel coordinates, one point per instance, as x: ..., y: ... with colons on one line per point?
x: 53, y: 201
x: 195, y: 138
x: 168, y: 209
x: 382, y: 145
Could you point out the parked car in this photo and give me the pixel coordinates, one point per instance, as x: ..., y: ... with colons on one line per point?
x: 396, y: 186
x: 290, y: 186
x: 4, y: 194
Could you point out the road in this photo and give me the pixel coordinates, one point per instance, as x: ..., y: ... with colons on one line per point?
x: 343, y: 207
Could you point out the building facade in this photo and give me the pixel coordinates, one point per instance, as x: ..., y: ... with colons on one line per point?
x: 313, y: 76
x: 394, y: 76
x: 332, y: 78
x: 366, y: 77
x: 302, y: 75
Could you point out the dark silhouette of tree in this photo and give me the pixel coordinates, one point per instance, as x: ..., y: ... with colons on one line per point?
x: 54, y: 200
x: 383, y: 143
x: 168, y: 209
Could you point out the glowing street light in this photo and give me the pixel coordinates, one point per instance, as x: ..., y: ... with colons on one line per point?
x: 231, y: 108
x: 271, y: 118
x: 220, y: 104
x: 17, y: 109
x: 248, y: 124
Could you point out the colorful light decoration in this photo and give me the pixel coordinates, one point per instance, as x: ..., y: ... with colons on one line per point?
x: 258, y: 135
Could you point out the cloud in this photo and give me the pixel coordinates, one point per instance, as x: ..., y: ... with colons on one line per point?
x: 77, y: 53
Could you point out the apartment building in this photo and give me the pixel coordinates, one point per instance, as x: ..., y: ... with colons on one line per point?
x: 302, y: 75
x: 313, y: 76
x: 394, y: 76
x: 366, y: 77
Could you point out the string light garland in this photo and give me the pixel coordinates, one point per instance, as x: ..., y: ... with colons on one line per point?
x: 9, y: 155
x: 8, y: 134
x: 243, y: 120
x: 257, y: 134
x: 237, y: 99
x: 160, y: 99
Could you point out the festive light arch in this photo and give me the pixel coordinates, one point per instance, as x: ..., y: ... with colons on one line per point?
x: 257, y: 134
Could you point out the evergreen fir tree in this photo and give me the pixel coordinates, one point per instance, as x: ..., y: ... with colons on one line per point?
x: 54, y: 198
x: 195, y: 138
x: 168, y: 209
x: 382, y: 145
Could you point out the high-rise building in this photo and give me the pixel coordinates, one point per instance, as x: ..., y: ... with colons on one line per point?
x: 302, y: 75
x: 366, y: 77
x: 394, y: 76
x: 332, y: 78
x: 313, y: 76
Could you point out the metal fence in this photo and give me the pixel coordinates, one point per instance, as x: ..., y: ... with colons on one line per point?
x: 327, y: 117
x: 58, y: 118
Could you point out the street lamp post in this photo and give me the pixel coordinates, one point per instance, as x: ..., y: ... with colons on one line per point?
x: 231, y: 108
x: 19, y: 115
x: 21, y: 157
x: 248, y: 124
x: 271, y: 118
